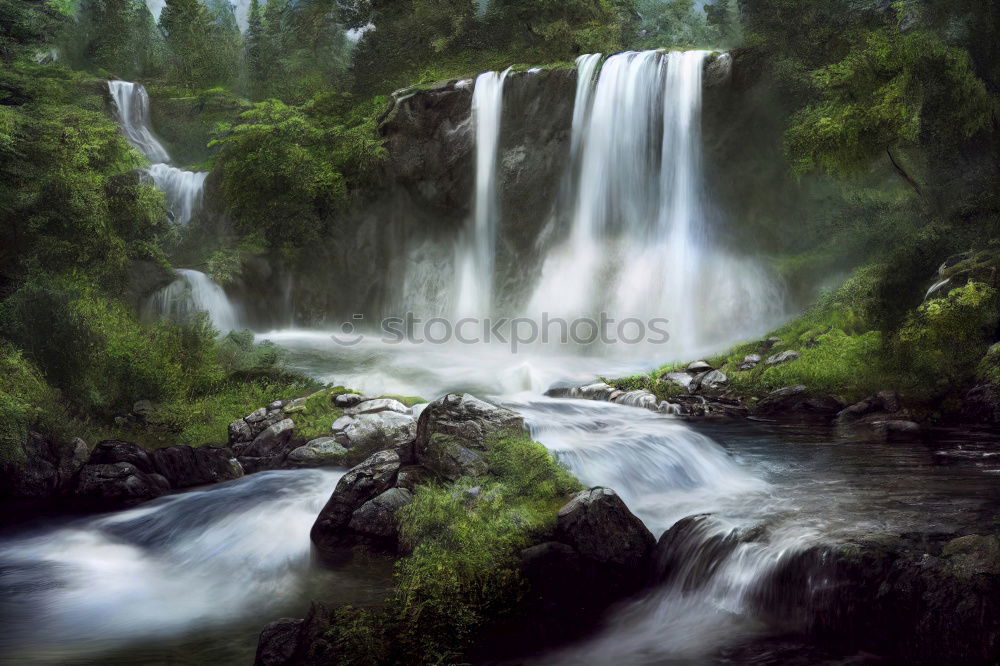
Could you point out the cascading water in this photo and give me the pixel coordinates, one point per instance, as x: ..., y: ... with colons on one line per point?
x: 477, y: 253
x: 639, y: 243
x: 183, y: 189
x: 192, y: 292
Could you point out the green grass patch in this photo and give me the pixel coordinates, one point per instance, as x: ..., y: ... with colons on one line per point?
x: 462, y: 572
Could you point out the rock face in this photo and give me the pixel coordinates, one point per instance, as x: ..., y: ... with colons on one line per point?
x: 795, y: 401
x: 920, y: 599
x: 982, y: 404
x: 270, y: 447
x: 376, y: 518
x: 453, y: 433
x: 277, y: 642
x: 363, y: 483
x: 289, y: 642
x: 49, y: 468
x: 187, y: 466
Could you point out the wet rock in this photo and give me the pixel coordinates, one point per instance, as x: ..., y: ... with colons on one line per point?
x: 117, y: 485
x: 376, y: 518
x: 453, y: 434
x: 278, y: 642
x: 917, y: 598
x: 642, y: 398
x: 272, y: 441
x: 681, y: 379
x: 709, y: 381
x: 750, y: 361
x: 345, y: 400
x: 599, y: 527
x: 982, y: 404
x: 698, y: 367
x: 377, y: 406
x: 321, y: 452
x: 691, y: 551
x: 366, y: 481
x: 783, y: 357
x: 187, y: 466
x: 113, y: 451
x: 598, y: 391
x: 365, y: 434
x: 897, y: 429
x: 48, y: 468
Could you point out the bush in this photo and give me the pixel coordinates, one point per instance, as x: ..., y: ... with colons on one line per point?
x: 26, y: 403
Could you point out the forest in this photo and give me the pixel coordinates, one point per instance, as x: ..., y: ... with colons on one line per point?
x: 199, y: 200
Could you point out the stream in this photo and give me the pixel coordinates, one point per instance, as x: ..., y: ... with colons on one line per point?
x: 194, y: 576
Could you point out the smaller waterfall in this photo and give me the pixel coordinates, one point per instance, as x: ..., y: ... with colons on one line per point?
x: 192, y: 292
x: 477, y: 255
x: 132, y: 102
x: 183, y: 189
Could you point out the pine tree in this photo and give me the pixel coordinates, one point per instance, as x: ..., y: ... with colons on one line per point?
x: 188, y: 29
x: 253, y: 51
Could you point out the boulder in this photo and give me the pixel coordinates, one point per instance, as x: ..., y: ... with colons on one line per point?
x: 272, y: 441
x: 412, y: 476
x: 113, y: 451
x: 376, y: 518
x: 239, y: 432
x: 600, y: 528
x: 783, y: 357
x: 796, y: 401
x: 453, y: 434
x: 187, y: 466
x: 321, y: 452
x: 117, y: 485
x: 982, y: 404
x: 366, y: 481
x: 640, y: 398
x: 709, y: 381
x: 278, y: 642
x: 598, y: 391
x: 376, y: 406
x: 49, y: 467
x: 365, y: 434
x: 681, y: 379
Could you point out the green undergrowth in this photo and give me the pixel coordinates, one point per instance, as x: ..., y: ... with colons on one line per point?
x: 26, y: 403
x: 941, y: 346
x: 462, y: 570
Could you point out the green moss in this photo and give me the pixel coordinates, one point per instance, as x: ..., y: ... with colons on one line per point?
x: 26, y: 403
x: 318, y: 413
x: 462, y: 572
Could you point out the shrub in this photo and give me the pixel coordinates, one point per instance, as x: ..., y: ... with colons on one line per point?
x: 26, y: 403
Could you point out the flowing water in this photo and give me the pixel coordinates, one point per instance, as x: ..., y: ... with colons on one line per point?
x: 202, y: 565
x: 183, y: 189
x: 192, y: 292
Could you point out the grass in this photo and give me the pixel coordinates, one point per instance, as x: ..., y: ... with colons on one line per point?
x: 462, y: 570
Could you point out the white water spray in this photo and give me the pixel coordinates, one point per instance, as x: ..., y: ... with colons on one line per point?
x: 640, y: 244
x: 477, y: 254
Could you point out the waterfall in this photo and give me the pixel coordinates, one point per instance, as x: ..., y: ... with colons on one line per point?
x: 477, y: 253
x: 639, y: 242
x: 183, y: 189
x: 194, y: 291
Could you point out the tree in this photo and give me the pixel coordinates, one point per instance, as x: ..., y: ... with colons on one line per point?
x: 253, y: 50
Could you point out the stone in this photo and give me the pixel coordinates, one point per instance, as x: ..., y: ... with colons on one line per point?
x: 681, y: 379
x: 641, y: 398
x: 598, y: 525
x: 321, y: 452
x: 770, y: 343
x: 278, y: 642
x: 256, y: 416
x: 187, y: 466
x: 365, y: 434
x: 345, y: 400
x: 49, y: 467
x: 113, y: 451
x: 364, y: 482
x: 750, y: 361
x: 272, y: 441
x: 783, y: 357
x: 453, y: 433
x: 277, y: 404
x: 117, y: 485
x: 981, y: 404
x: 376, y: 406
x: 376, y: 518
x: 898, y: 429
x: 240, y: 432
x: 698, y: 367
x: 709, y: 381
